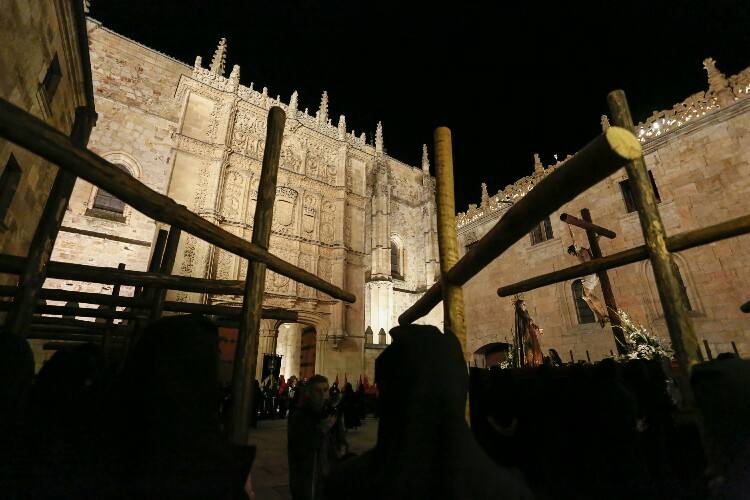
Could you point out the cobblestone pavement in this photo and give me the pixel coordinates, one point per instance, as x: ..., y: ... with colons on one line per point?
x: 271, y: 471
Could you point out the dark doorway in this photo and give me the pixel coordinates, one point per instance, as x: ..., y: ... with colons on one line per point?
x: 307, y: 355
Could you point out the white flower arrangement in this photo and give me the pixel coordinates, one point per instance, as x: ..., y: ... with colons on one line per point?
x: 639, y: 342
x: 508, y: 361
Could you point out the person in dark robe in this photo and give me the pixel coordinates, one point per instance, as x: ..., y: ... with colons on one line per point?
x: 169, y: 433
x: 424, y: 448
x: 350, y: 407
x: 311, y: 440
x: 16, y: 376
x: 65, y: 426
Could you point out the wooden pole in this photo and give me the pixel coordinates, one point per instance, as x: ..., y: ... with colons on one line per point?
x: 31, y: 133
x: 40, y: 250
x: 672, y: 298
x: 228, y: 312
x: 708, y: 350
x: 588, y: 357
x: 167, y: 263
x: 734, y: 348
x: 607, y: 293
x: 110, y: 275
x: 589, y: 226
x: 107, y: 340
x: 246, y: 354
x: 453, y: 297
x: 676, y: 243
x: 595, y: 162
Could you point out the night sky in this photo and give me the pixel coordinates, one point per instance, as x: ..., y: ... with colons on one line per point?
x: 509, y: 80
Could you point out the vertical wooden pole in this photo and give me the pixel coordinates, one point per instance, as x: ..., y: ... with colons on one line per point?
x: 167, y: 263
x: 106, y: 341
x: 607, y: 293
x: 588, y: 357
x: 148, y: 293
x: 708, y: 350
x: 246, y: 354
x: 572, y: 359
x: 734, y: 348
x: 453, y: 298
x: 673, y: 300
x: 681, y: 332
x: 40, y: 250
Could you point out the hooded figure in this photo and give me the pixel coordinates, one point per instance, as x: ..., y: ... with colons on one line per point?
x: 170, y: 434
x: 424, y: 448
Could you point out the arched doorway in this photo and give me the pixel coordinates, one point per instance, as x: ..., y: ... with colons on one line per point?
x: 491, y: 354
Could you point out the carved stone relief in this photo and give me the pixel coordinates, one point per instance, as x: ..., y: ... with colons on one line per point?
x: 309, y: 214
x: 284, y: 208
x: 234, y: 190
x: 327, y: 222
x: 306, y: 263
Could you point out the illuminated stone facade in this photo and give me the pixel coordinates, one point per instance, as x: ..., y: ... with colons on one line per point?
x: 198, y: 135
x: 699, y: 155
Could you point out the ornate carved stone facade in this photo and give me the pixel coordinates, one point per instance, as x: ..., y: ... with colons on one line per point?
x: 198, y: 136
x: 699, y: 155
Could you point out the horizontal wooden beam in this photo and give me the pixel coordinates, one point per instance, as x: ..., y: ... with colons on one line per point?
x: 228, y: 311
x: 575, y: 221
x: 597, y: 160
x: 38, y: 320
x: 31, y: 133
x: 676, y: 243
x: 112, y: 276
x: 81, y: 336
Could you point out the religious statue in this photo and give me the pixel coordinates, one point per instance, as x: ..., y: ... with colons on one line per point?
x: 527, y: 337
x: 589, y: 283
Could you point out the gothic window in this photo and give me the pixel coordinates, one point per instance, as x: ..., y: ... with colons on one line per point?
x: 107, y: 205
x: 542, y: 232
x: 627, y: 193
x: 9, y: 180
x: 52, y: 79
x: 583, y: 311
x: 396, y: 260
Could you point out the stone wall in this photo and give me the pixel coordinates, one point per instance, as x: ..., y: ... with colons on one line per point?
x: 702, y: 172
x: 134, y: 92
x: 32, y: 34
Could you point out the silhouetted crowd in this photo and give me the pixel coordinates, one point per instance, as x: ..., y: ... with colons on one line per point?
x: 277, y: 398
x: 157, y: 426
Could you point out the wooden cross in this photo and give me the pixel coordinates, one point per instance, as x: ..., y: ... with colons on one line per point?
x: 592, y: 232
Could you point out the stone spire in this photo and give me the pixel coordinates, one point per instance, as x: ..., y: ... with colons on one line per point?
x: 425, y: 160
x: 323, y: 110
x: 234, y: 77
x: 342, y: 127
x: 220, y: 58
x: 198, y: 62
x: 293, y: 105
x: 538, y: 167
x: 485, y: 196
x: 379, y: 138
x: 605, y: 123
x: 716, y: 79
x: 717, y: 83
